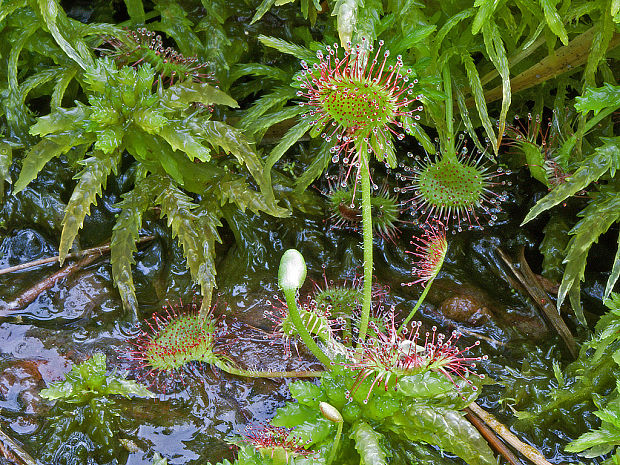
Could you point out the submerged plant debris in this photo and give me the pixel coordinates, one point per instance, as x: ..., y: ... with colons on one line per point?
x: 476, y: 156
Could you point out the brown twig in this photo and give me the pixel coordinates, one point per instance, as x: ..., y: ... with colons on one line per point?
x: 530, y: 283
x: 31, y: 294
x: 530, y: 452
x: 13, y: 452
x: 545, y: 303
x: 562, y: 60
x: 492, y: 438
x: 94, y: 251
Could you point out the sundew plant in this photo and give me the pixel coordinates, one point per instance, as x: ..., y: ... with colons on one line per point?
x: 407, y: 144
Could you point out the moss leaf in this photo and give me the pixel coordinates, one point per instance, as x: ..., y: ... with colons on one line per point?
x: 290, y: 138
x: 196, y: 234
x: 599, y: 98
x: 182, y: 94
x: 262, y: 9
x: 553, y: 246
x: 124, y: 235
x: 553, y: 19
x: 368, y: 444
x: 283, y: 46
x: 252, y: 120
x: 615, y: 273
x: 41, y: 153
x: 54, y: 16
x: 6, y: 158
x: 447, y: 429
x: 315, y: 169
x: 598, y: 216
x: 92, y: 180
x: 238, y: 191
x: 485, y: 10
x: 593, y: 167
x: 182, y: 139
x: 497, y: 53
x: 478, y: 93
x: 135, y: 10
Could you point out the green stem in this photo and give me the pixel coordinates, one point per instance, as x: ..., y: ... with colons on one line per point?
x: 291, y: 303
x: 332, y: 454
x: 450, y: 150
x: 367, y: 243
x: 205, y: 306
x: 417, y: 306
x: 233, y: 370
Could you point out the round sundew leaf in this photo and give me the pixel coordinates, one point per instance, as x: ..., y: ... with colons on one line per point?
x: 347, y: 212
x: 353, y: 104
x: 359, y: 99
x: 339, y: 299
x: 451, y: 185
x: 184, y: 339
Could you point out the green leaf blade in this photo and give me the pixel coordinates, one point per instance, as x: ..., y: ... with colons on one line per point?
x: 196, y: 234
x: 92, y: 181
x: 554, y: 21
x: 447, y: 429
x: 183, y: 94
x: 598, y: 216
x: 262, y: 9
x: 39, y: 155
x: 597, y: 99
x: 368, y: 444
x: 486, y: 8
x: 125, y: 233
x: 179, y: 138
x: 478, y: 93
x: 593, y: 167
x: 283, y: 46
x: 615, y: 273
x: 135, y: 10
x: 497, y: 53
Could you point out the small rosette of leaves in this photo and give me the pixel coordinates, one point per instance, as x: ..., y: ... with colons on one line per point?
x: 375, y: 430
x: 345, y: 205
x: 86, y: 407
x: 89, y: 379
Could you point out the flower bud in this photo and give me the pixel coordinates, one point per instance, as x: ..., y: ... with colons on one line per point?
x: 330, y: 412
x: 292, y: 272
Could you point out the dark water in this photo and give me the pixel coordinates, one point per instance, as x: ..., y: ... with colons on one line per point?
x: 82, y: 314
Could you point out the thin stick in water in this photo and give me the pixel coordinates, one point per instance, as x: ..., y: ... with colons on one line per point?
x: 13, y: 452
x: 42, y: 261
x: 495, y: 443
x: 530, y: 452
x: 31, y: 294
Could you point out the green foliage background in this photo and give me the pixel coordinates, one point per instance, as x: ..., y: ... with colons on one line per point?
x: 61, y: 103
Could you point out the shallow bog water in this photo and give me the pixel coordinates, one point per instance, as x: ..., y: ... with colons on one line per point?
x: 204, y: 408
